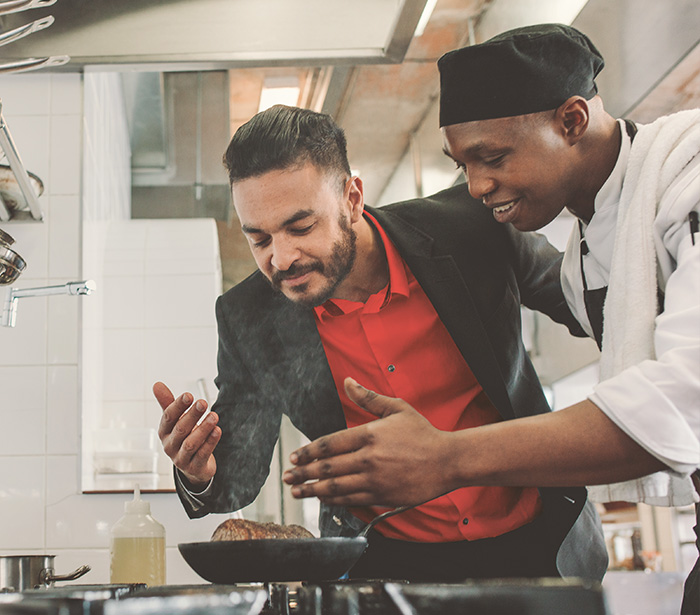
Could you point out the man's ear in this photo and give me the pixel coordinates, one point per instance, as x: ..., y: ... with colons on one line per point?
x: 573, y: 117
x: 355, y: 198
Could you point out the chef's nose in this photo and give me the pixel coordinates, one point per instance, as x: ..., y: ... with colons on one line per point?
x: 479, y: 183
x: 284, y: 253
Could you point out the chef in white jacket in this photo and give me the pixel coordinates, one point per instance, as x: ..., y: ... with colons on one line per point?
x: 520, y: 114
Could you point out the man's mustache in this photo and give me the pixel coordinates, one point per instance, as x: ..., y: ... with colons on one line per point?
x: 295, y: 271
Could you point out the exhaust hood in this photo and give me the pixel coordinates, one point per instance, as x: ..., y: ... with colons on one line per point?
x: 215, y: 34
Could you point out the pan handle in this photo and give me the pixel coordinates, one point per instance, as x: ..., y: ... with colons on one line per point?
x: 47, y: 576
x: 389, y: 513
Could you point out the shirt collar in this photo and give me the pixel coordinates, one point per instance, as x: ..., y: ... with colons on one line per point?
x: 398, y: 282
x: 609, y: 194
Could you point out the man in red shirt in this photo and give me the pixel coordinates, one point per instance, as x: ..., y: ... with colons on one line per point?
x: 418, y: 300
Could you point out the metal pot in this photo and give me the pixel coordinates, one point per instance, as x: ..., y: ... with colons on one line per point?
x: 21, y: 572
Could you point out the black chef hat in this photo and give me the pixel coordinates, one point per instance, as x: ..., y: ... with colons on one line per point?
x: 521, y: 71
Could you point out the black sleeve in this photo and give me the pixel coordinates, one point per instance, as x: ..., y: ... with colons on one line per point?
x: 537, y: 266
x: 248, y: 417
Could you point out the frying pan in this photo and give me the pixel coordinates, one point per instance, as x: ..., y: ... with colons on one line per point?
x: 278, y: 559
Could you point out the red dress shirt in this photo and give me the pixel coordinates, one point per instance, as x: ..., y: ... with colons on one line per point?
x: 396, y: 345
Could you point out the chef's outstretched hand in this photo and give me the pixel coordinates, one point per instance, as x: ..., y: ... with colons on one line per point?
x: 396, y: 460
x: 190, y: 446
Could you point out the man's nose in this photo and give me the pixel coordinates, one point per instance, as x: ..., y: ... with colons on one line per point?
x: 479, y: 183
x: 284, y: 253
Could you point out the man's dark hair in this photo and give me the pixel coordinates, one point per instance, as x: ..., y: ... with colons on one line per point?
x: 282, y: 137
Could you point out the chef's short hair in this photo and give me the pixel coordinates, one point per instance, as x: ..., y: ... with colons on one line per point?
x: 283, y: 137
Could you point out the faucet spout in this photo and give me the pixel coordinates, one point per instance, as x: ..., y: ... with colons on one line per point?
x: 81, y: 288
x: 9, y: 313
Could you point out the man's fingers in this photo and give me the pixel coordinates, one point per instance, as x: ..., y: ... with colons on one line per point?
x: 379, y: 405
x: 329, y: 488
x: 338, y: 443
x: 340, y: 465
x: 163, y: 394
x: 200, y: 460
x: 195, y: 444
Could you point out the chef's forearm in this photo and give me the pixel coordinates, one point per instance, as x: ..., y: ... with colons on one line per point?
x: 575, y: 446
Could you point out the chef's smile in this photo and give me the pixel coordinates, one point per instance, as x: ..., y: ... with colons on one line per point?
x: 505, y: 212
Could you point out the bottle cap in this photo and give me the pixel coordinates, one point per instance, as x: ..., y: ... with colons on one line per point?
x: 137, y: 505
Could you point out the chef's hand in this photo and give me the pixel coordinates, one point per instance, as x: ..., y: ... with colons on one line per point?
x: 396, y: 460
x: 189, y: 446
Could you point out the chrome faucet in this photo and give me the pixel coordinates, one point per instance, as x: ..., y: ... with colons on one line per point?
x: 9, y: 312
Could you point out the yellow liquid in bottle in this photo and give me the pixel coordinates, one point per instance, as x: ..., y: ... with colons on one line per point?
x: 138, y: 560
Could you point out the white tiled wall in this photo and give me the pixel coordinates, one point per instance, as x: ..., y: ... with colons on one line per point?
x: 42, y: 509
x: 159, y: 281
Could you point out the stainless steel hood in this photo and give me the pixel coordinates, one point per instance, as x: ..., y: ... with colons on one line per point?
x: 214, y: 34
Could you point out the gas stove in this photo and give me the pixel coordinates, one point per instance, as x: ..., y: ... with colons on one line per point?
x: 351, y: 597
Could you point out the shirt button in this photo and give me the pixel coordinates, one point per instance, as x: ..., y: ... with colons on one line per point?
x: 392, y: 368
x: 465, y: 521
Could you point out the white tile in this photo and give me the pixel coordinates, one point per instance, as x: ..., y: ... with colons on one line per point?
x: 62, y: 478
x: 63, y: 326
x: 23, y: 387
x: 180, y: 301
x: 130, y: 264
x: 124, y: 414
x: 26, y: 342
x: 174, y: 264
x: 179, y: 357
x: 82, y: 521
x: 194, y: 235
x: 64, y: 237
x: 123, y: 364
x: 25, y: 94
x: 63, y: 413
x: 22, y: 502
x: 23, y: 411
x: 66, y: 139
x: 66, y: 93
x: 123, y: 301
x: 126, y: 236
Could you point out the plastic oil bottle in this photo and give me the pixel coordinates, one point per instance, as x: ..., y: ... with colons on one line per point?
x: 137, y: 553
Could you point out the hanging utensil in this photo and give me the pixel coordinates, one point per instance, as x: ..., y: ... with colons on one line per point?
x: 13, y: 35
x: 33, y: 64
x: 11, y: 263
x: 15, y: 6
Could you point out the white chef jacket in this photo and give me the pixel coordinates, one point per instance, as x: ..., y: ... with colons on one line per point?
x: 656, y: 402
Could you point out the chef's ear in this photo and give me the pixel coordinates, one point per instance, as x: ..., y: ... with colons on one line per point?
x: 573, y: 115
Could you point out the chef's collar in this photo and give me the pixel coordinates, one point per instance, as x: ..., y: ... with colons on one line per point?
x: 609, y: 194
x: 397, y: 286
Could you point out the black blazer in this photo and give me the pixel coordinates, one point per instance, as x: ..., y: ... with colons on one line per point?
x: 476, y: 272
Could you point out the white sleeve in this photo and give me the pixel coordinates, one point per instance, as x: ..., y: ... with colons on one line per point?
x: 657, y: 402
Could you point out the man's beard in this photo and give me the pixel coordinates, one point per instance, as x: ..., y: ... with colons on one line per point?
x: 337, y: 268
